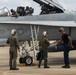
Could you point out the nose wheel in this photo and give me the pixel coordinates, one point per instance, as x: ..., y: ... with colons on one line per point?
x: 28, y: 60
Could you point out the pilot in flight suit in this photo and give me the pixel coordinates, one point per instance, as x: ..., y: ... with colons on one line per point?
x: 14, y: 45
x: 43, y: 43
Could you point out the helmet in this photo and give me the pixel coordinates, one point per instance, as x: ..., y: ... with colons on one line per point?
x: 13, y: 31
x: 45, y: 33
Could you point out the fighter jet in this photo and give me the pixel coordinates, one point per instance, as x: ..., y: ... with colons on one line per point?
x: 30, y: 27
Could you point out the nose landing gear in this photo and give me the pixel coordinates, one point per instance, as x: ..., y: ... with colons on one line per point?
x: 25, y: 58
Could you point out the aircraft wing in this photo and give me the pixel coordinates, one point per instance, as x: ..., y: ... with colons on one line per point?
x: 45, y: 23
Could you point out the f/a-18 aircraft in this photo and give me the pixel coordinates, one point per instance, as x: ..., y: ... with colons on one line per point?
x: 51, y: 18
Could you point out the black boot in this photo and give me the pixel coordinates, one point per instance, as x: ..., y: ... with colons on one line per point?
x: 66, y: 66
x: 11, y: 68
x: 15, y: 69
x: 47, y: 67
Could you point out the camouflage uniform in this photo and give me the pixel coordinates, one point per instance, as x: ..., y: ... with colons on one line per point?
x: 14, y: 45
x: 43, y: 43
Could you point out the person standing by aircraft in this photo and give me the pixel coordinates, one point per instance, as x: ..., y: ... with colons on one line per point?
x: 43, y: 43
x: 14, y: 45
x: 67, y: 42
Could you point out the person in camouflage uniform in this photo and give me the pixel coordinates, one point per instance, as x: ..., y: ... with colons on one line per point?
x: 43, y: 44
x: 14, y: 45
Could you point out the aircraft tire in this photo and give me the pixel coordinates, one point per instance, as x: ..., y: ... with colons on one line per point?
x: 28, y: 60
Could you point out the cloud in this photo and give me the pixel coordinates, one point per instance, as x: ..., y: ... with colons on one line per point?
x: 68, y: 4
x: 25, y: 3
x: 5, y: 0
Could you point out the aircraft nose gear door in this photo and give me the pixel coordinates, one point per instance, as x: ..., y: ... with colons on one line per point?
x: 34, y: 34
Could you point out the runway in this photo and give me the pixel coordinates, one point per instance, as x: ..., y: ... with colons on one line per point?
x: 55, y: 61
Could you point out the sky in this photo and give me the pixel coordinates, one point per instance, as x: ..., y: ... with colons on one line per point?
x: 67, y: 4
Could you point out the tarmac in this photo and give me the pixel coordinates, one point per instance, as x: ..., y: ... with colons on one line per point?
x: 55, y: 61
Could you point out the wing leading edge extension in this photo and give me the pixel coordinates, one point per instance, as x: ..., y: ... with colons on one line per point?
x: 45, y: 23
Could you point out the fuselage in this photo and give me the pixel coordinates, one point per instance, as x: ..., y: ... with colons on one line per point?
x: 24, y: 31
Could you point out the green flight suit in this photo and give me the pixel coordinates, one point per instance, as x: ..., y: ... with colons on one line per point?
x: 14, y: 45
x: 43, y: 43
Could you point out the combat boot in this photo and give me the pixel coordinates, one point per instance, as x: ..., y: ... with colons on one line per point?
x: 15, y: 69
x: 11, y: 68
x: 66, y: 66
x: 47, y: 67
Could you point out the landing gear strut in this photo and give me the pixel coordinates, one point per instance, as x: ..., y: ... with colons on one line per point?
x: 25, y: 57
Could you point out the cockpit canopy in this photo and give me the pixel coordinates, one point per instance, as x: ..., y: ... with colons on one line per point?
x: 49, y: 7
x: 4, y: 12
